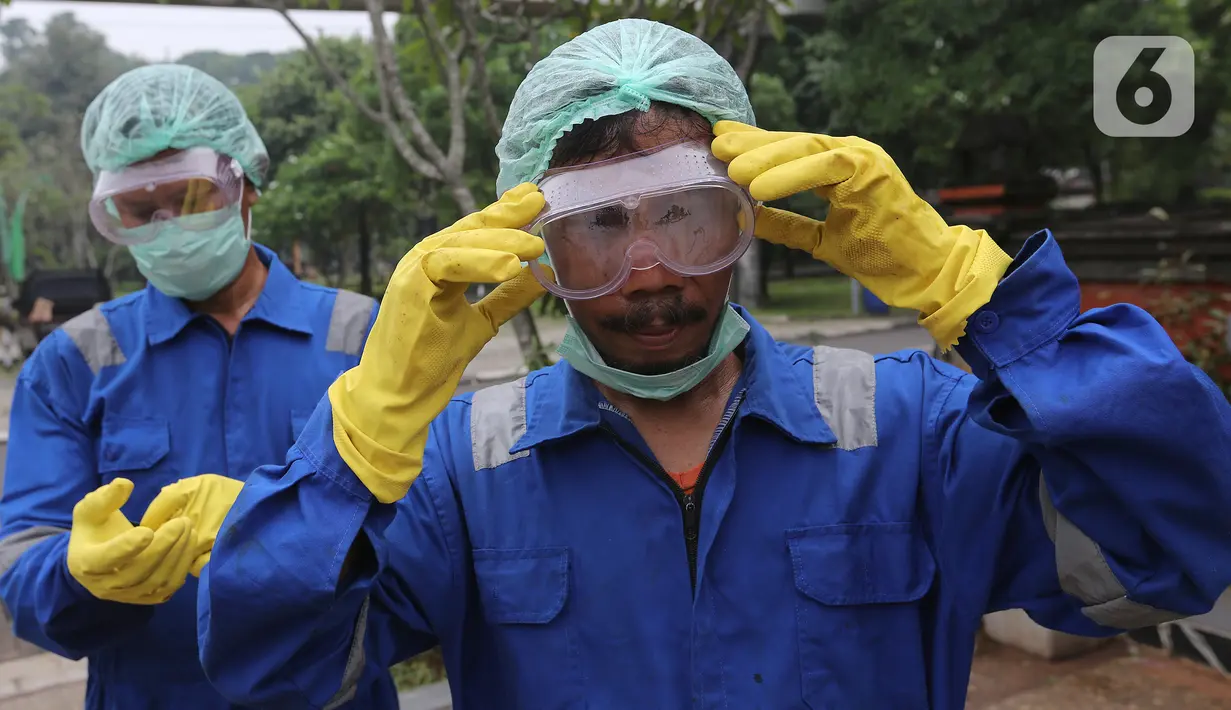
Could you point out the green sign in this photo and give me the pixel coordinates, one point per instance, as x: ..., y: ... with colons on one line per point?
x: 12, y: 236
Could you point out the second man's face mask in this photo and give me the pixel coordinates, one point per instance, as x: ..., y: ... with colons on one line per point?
x: 193, y: 263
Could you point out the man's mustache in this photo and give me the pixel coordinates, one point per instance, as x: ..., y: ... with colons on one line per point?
x: 670, y: 311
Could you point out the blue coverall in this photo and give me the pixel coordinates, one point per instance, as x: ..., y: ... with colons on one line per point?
x: 143, y: 388
x: 854, y: 520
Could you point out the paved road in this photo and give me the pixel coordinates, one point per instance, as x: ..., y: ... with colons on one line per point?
x: 885, y: 341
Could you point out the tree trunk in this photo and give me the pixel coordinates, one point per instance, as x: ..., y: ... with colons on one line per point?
x: 766, y: 262
x: 746, y: 286
x: 1095, y: 166
x: 365, y: 254
x: 109, y: 265
x: 83, y: 251
x: 343, y: 257
x: 297, y: 259
x: 524, y: 328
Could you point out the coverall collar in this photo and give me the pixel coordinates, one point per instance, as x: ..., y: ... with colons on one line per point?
x: 277, y: 305
x: 561, y: 402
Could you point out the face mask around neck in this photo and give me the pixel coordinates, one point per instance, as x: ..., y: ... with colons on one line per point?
x: 577, y: 349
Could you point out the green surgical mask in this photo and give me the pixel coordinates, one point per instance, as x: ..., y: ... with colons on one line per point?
x: 193, y: 263
x: 577, y: 349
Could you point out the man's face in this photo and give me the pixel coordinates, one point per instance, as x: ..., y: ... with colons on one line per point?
x: 658, y: 321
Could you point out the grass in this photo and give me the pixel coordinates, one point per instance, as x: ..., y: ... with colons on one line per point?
x: 811, y: 298
x: 424, y: 669
x: 816, y: 297
x: 123, y: 288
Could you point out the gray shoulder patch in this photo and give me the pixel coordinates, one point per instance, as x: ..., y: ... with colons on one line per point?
x: 91, y: 333
x: 348, y: 324
x: 352, y: 673
x: 14, y: 546
x: 1084, y: 573
x: 497, y: 422
x: 844, y: 386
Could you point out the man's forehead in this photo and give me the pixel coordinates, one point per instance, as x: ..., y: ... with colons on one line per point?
x: 160, y: 155
x: 664, y: 132
x: 651, y: 129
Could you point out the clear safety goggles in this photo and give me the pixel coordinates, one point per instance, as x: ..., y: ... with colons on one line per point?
x: 196, y: 187
x: 672, y: 206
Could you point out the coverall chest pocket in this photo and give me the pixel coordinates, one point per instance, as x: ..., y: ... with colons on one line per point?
x: 131, y: 445
x: 524, y: 597
x: 858, y: 613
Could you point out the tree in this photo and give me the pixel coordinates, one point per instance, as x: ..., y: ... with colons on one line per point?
x: 337, y: 188
x: 48, y: 81
x: 232, y: 69
x: 961, y: 91
x: 458, y: 56
x: 327, y: 198
x: 293, y: 105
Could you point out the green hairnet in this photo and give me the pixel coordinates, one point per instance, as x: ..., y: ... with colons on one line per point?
x: 168, y: 106
x: 612, y: 69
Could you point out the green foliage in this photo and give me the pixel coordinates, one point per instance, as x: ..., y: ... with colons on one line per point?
x: 231, y: 69
x: 958, y: 91
x: 424, y: 669
x: 724, y: 24
x: 292, y: 104
x: 772, y: 101
x: 335, y: 175
x: 814, y: 297
x: 327, y: 200
x: 48, y: 80
x: 963, y: 91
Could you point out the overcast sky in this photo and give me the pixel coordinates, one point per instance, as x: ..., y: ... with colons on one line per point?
x: 161, y: 32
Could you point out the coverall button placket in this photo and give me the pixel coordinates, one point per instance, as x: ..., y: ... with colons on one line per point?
x: 233, y: 401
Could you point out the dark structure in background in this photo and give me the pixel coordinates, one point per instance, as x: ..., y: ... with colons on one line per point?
x: 48, y: 298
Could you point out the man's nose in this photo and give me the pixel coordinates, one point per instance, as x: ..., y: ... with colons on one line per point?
x: 653, y: 280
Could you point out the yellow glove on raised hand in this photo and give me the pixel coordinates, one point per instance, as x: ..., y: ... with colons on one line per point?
x: 205, y: 500
x: 426, y: 334
x: 878, y: 230
x: 118, y: 562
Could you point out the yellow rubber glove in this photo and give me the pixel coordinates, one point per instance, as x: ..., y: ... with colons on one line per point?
x: 118, y: 562
x: 205, y: 500
x: 426, y: 334
x: 878, y: 231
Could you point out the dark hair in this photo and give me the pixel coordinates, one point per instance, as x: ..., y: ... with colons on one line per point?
x: 616, y: 135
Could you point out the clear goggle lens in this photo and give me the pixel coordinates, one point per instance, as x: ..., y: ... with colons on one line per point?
x: 196, y: 189
x: 684, y: 215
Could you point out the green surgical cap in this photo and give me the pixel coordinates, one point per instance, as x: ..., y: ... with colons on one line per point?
x: 612, y: 69
x: 168, y: 106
